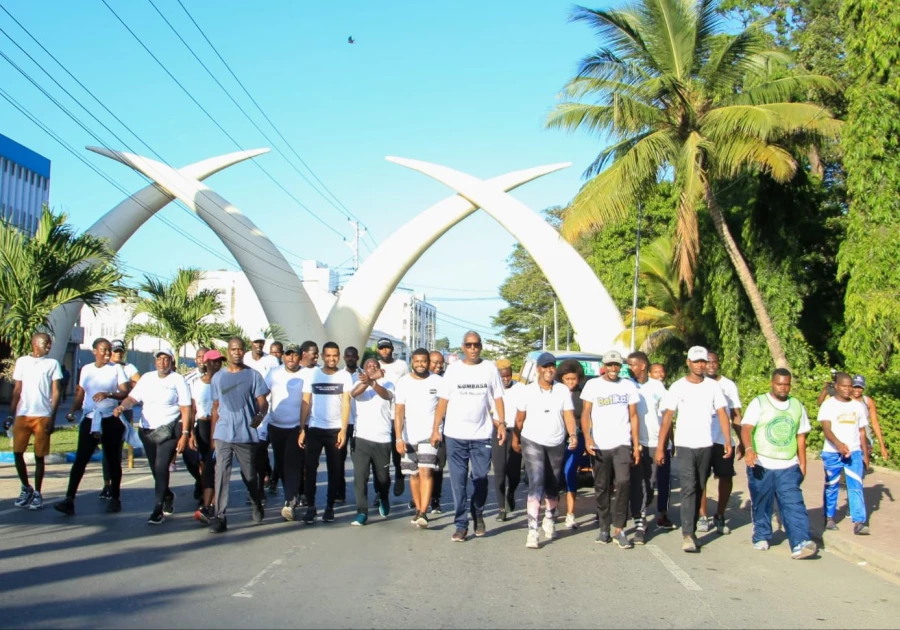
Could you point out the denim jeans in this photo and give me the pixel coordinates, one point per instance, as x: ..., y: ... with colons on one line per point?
x: 767, y: 486
x: 853, y: 469
x: 461, y: 454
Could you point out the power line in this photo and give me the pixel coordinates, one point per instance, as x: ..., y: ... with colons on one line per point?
x: 261, y: 111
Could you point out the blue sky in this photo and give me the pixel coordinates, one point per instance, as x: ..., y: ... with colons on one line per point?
x: 466, y: 84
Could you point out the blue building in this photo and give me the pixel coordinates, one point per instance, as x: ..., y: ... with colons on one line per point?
x: 24, y: 185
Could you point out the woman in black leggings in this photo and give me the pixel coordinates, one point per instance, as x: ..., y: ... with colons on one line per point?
x: 165, y: 425
x: 100, y: 385
x: 201, y: 439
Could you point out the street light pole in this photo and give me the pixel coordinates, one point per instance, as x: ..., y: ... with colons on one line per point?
x: 637, y: 267
x: 555, y: 327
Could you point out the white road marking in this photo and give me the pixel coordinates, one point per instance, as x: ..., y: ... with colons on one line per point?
x: 246, y: 590
x: 676, y: 571
x: 46, y: 505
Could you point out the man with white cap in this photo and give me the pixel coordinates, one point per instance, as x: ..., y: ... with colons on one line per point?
x: 259, y: 360
x: 393, y: 370
x: 690, y: 403
x: 118, y: 356
x: 611, y: 430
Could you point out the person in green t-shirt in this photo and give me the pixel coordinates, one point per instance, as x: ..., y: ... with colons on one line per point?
x: 773, y: 433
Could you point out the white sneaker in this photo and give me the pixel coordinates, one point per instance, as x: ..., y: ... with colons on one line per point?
x: 761, y: 545
x: 570, y: 522
x: 24, y: 497
x: 37, y: 501
x: 532, y: 541
x: 549, y: 527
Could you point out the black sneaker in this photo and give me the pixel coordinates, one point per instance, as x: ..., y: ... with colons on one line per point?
x: 168, y: 506
x: 204, y: 514
x: 502, y: 516
x: 328, y: 514
x: 479, y: 527
x: 399, y: 485
x: 258, y: 513
x: 411, y: 505
x: 105, y: 494
x: 639, y: 537
x: 436, y: 506
x: 218, y: 525
x: 860, y: 529
x: 157, y: 517
x: 510, y: 502
x: 66, y: 506
x: 459, y: 535
x: 310, y: 517
x: 114, y: 507
x: 301, y: 501
x: 273, y: 486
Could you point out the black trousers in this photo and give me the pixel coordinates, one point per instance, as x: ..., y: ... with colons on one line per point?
x: 378, y: 456
x: 203, y: 436
x: 111, y: 435
x: 159, y: 456
x: 349, y: 446
x: 507, y: 470
x: 437, y: 476
x: 612, y: 467
x: 316, y: 440
x: 692, y: 465
x: 288, y: 459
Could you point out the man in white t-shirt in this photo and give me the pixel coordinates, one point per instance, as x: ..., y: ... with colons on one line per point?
x: 844, y: 422
x: 505, y: 460
x: 119, y: 357
x: 417, y: 398
x: 394, y: 370
x: 35, y: 399
x: 464, y: 406
x: 324, y: 417
x: 285, y: 384
x: 259, y: 360
x: 374, y: 396
x: 773, y: 433
x: 693, y: 399
x: 646, y: 476
x: 611, y: 428
x: 722, y: 467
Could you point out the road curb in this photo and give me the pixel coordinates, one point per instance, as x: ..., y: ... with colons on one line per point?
x: 7, y: 458
x: 856, y: 553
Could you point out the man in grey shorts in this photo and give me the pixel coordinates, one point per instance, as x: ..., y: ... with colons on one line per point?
x: 239, y: 406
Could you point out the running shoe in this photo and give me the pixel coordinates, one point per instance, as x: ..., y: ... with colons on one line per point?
x: 639, y: 537
x: 422, y: 521
x: 25, y: 497
x: 436, y: 506
x: 721, y: 527
x: 114, y: 506
x: 411, y: 505
x: 459, y: 535
x: 37, y: 501
x: 663, y: 522
x: 502, y: 516
x: 860, y: 529
x: 287, y: 512
x: 830, y: 525
x: 310, y: 517
x: 549, y: 527
x: 415, y: 518
x: 258, y: 513
x: 384, y: 507
x: 480, y: 530
x: 157, y: 517
x: 704, y: 524
x: 603, y: 538
x: 531, y: 541
x: 805, y: 549
x: 570, y: 522
x: 105, y: 494
x: 761, y: 545
x: 510, y: 502
x: 360, y: 520
x: 203, y: 514
x: 218, y: 525
x: 328, y: 514
x: 622, y: 541
x: 66, y: 506
x: 273, y: 486
x: 399, y: 485
x: 689, y: 544
x: 169, y: 504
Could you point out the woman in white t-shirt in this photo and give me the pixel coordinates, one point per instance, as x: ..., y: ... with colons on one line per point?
x: 545, y: 428
x: 165, y: 425
x: 201, y: 435
x: 100, y: 385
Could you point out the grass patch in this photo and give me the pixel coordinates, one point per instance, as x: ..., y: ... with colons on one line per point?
x: 63, y: 440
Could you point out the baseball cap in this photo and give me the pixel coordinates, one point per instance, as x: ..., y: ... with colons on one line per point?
x: 213, y: 355
x: 259, y: 337
x: 292, y: 348
x: 116, y: 344
x: 859, y: 381
x: 545, y: 358
x: 166, y: 352
x: 612, y: 356
x: 384, y: 342
x: 697, y: 353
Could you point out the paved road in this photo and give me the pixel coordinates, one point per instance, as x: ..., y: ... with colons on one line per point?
x: 97, y: 570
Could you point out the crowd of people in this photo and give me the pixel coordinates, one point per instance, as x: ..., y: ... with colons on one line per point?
x: 468, y: 417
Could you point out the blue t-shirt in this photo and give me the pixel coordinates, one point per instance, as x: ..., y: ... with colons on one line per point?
x: 237, y: 393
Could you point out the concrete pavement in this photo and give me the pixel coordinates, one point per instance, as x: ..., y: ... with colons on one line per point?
x: 99, y: 570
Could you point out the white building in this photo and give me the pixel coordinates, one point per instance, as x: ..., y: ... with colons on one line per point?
x: 408, y: 317
x: 24, y: 185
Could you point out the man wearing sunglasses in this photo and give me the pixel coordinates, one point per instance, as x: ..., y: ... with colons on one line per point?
x: 464, y: 405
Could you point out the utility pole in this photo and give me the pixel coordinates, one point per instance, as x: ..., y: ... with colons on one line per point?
x: 555, y: 327
x: 544, y: 339
x: 358, y: 232
x: 637, y: 269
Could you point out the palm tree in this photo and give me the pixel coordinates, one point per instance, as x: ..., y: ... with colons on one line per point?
x: 50, y: 269
x: 669, y: 313
x: 679, y: 98
x: 178, y: 313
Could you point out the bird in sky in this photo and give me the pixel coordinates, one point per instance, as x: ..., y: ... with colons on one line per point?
x: 350, y: 40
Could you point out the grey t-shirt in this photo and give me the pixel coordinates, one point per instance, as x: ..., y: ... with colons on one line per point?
x: 237, y: 393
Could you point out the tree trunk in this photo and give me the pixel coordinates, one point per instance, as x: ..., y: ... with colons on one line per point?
x: 746, y: 278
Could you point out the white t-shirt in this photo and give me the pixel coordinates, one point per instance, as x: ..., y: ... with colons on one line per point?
x: 286, y: 396
x: 373, y: 414
x: 649, y: 410
x: 511, y: 397
x: 130, y: 370
x: 355, y: 377
x: 543, y: 409
x: 262, y: 365
x: 610, y: 418
x: 694, y: 404
x: 201, y: 393
x: 395, y: 370
x: 37, y: 376
x: 162, y: 398
x: 751, y: 417
x: 469, y: 390
x: 846, y: 418
x: 327, y: 393
x: 732, y: 401
x: 94, y: 380
x: 419, y: 397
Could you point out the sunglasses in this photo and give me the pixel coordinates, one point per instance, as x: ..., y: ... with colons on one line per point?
x: 472, y: 344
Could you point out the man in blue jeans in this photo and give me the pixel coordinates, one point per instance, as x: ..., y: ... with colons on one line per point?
x: 773, y: 432
x: 464, y: 405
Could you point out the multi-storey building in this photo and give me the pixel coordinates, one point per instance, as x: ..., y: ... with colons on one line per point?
x: 24, y: 185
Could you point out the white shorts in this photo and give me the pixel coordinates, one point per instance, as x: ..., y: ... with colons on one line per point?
x: 421, y: 455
